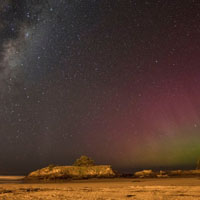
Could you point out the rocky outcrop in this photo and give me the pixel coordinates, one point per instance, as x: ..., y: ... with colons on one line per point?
x: 185, y: 173
x: 72, y: 172
x: 167, y: 174
x: 144, y: 174
x: 162, y: 174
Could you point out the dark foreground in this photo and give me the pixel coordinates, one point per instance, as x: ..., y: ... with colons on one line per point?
x: 103, y: 189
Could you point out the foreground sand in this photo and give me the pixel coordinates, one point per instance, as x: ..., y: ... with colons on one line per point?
x: 114, y: 189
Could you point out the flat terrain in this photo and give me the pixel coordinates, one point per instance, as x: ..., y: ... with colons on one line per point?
x: 113, y: 189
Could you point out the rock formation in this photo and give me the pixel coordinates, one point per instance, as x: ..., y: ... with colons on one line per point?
x: 144, y: 173
x: 72, y: 172
x: 83, y: 168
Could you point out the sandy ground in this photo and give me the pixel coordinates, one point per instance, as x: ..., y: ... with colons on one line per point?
x: 114, y: 189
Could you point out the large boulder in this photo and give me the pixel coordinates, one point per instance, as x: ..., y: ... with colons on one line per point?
x: 72, y: 172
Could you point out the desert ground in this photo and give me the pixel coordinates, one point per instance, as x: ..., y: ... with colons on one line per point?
x: 11, y: 188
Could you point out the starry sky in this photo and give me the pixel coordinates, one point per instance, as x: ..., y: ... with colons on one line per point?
x: 117, y: 80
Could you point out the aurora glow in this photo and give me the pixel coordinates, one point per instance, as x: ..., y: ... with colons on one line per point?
x: 118, y: 81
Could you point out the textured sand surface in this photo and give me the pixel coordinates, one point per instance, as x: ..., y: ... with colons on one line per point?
x: 115, y: 189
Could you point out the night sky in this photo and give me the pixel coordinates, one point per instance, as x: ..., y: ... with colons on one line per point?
x: 117, y: 80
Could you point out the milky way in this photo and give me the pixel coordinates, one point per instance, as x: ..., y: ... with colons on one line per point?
x: 118, y: 81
